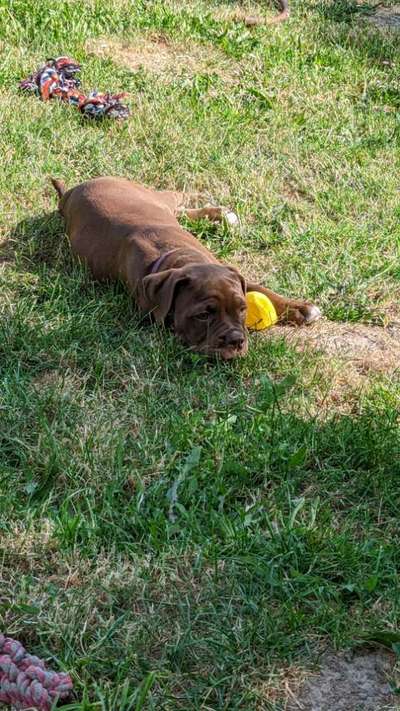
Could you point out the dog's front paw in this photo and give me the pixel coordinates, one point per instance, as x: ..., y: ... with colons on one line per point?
x: 311, y: 313
x: 221, y: 214
x: 230, y: 218
x: 301, y: 313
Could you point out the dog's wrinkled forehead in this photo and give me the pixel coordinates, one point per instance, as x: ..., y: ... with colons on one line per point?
x: 214, y: 278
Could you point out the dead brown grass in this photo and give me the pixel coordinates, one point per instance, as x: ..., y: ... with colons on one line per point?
x: 366, y: 348
x: 249, y: 13
x: 254, y: 266
x: 166, y: 58
x: 336, y: 387
x: 282, y: 685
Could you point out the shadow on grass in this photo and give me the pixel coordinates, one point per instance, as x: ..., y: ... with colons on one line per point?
x: 38, y: 247
x: 36, y: 241
x: 344, y: 10
x: 284, y: 538
x: 253, y: 530
x: 344, y: 22
x: 51, y: 288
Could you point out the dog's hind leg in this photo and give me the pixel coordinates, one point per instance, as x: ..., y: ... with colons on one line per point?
x: 179, y: 203
x: 173, y: 199
x: 212, y: 213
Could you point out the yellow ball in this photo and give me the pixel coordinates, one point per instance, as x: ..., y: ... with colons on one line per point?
x: 260, y: 311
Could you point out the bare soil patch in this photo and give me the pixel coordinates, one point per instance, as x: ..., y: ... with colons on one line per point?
x: 166, y: 58
x: 239, y: 13
x: 386, y: 17
x: 367, y: 348
x: 251, y: 14
x: 355, y: 681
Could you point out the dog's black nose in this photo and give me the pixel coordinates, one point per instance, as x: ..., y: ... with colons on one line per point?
x: 235, y: 339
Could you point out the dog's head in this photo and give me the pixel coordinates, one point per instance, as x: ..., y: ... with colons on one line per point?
x: 207, y: 304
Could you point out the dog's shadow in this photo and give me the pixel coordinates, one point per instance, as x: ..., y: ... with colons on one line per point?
x: 40, y: 246
x: 36, y: 242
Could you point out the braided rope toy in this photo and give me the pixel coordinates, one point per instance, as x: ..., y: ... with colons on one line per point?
x: 58, y: 79
x: 24, y: 680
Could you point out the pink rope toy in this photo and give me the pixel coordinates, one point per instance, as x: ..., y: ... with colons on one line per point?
x: 24, y: 680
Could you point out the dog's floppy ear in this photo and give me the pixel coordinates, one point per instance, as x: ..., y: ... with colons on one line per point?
x: 158, y: 291
x: 242, y: 279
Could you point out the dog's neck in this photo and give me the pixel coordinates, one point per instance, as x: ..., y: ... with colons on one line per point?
x: 157, y: 264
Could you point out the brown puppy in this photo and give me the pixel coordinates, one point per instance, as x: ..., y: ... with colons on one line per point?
x: 123, y: 230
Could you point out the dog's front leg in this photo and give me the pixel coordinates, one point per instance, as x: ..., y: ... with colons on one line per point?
x: 289, y: 310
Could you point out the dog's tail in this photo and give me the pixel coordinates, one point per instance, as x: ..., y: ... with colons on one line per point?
x: 283, y: 15
x: 254, y: 20
x: 59, y: 185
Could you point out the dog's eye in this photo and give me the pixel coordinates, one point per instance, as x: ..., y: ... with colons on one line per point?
x: 203, y: 316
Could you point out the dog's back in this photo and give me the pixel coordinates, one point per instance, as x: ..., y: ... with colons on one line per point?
x: 113, y: 200
x: 106, y: 218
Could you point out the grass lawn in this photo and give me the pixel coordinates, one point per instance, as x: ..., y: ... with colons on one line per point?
x: 180, y: 534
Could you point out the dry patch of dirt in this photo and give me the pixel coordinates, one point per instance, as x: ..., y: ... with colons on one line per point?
x: 354, y: 681
x: 248, y: 13
x: 166, y: 58
x: 351, y: 351
x: 366, y: 348
x: 387, y: 18
x: 238, y: 13
x: 28, y: 541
